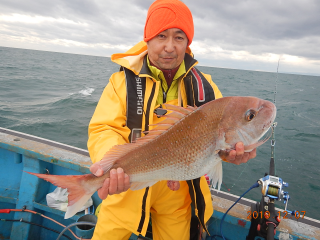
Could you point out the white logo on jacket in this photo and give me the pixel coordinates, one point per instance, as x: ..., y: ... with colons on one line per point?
x: 139, y: 96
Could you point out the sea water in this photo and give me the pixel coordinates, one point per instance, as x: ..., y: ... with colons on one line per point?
x: 53, y: 95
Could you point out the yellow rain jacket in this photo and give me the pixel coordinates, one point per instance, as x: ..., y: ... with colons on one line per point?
x: 131, y: 209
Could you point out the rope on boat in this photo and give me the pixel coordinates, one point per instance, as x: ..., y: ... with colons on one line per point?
x: 75, y: 224
x: 30, y: 211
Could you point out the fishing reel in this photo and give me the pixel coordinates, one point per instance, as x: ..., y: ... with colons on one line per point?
x: 266, y: 218
x: 265, y: 222
x: 272, y: 187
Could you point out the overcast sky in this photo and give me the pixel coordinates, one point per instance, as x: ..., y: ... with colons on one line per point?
x: 240, y: 34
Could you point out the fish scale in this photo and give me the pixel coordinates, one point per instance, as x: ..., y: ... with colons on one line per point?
x: 184, y: 146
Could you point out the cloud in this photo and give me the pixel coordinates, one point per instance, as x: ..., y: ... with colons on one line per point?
x: 235, y: 34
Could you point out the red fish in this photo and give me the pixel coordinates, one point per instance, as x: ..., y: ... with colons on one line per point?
x: 184, y: 146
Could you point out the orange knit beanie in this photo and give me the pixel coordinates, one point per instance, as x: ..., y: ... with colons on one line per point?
x: 165, y: 14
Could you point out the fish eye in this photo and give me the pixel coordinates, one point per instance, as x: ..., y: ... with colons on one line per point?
x: 250, y: 115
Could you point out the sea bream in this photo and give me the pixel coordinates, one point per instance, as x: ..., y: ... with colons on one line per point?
x: 184, y: 146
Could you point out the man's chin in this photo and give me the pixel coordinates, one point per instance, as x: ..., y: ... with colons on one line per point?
x: 167, y: 66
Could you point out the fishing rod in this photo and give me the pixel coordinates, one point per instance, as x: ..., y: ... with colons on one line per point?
x: 264, y: 218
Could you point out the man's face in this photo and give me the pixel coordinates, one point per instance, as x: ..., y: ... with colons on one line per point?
x: 167, y: 49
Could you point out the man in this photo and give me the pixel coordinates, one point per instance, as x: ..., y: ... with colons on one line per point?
x: 160, y: 69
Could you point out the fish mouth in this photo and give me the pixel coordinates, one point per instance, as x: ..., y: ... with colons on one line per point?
x: 262, y: 139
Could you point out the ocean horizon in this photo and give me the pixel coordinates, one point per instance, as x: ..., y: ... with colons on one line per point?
x: 295, y: 73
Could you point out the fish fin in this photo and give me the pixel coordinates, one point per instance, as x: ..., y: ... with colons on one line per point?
x: 177, y: 113
x: 178, y: 109
x: 140, y: 185
x: 192, y: 108
x: 161, y: 127
x: 106, y: 162
x: 116, y: 152
x: 75, y: 185
x: 73, y: 209
x: 216, y: 173
x: 168, y: 123
x: 154, y: 132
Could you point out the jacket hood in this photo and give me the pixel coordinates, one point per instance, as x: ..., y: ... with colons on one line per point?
x: 133, y: 58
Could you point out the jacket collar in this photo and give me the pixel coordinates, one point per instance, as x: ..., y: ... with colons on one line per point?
x: 145, y: 69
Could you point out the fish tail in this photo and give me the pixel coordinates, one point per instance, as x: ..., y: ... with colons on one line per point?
x: 78, y: 193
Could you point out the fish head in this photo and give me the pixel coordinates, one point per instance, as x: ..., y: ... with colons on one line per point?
x: 246, y: 119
